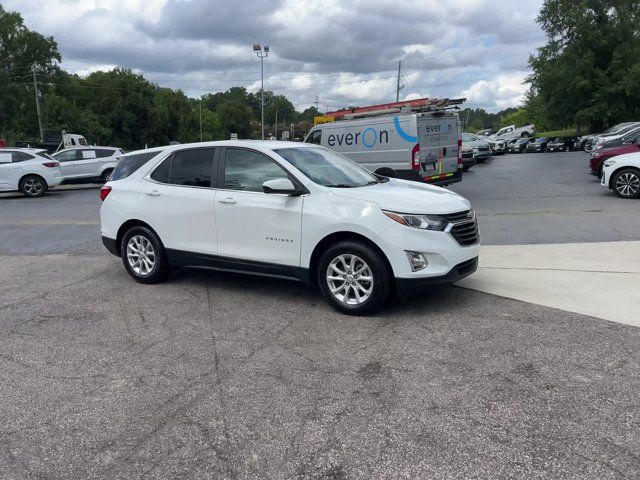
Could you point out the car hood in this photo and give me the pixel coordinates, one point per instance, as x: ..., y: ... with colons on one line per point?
x: 407, y: 197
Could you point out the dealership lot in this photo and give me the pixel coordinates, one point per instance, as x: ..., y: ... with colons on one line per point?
x: 225, y: 376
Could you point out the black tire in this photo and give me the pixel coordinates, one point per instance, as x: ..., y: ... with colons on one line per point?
x: 465, y: 168
x: 524, y: 135
x: 161, y: 268
x: 626, y: 183
x: 387, y: 172
x: 33, y: 186
x: 106, y: 175
x: 381, y: 285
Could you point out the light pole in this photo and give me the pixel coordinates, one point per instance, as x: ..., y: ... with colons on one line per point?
x: 262, y: 53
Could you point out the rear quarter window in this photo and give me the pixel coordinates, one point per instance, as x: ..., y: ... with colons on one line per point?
x: 130, y: 164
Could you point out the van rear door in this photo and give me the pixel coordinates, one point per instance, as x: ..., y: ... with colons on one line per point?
x: 438, y: 135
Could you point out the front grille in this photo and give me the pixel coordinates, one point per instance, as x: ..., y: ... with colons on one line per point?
x: 455, y: 217
x: 466, y: 233
x: 468, y: 266
x: 483, y: 149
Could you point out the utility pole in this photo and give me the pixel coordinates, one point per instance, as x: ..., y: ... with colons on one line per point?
x: 317, y: 102
x: 35, y: 87
x: 275, y: 101
x: 201, y: 119
x: 262, y: 53
x: 398, y: 87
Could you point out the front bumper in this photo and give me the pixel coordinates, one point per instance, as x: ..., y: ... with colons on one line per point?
x: 410, y: 286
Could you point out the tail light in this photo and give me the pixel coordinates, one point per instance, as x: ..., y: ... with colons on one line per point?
x: 415, y: 157
x: 51, y: 164
x: 459, y: 153
x: 104, y: 191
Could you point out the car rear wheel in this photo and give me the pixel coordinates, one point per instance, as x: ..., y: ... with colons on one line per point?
x: 33, y: 186
x: 524, y: 135
x: 106, y: 176
x: 354, y: 278
x: 143, y: 256
x: 626, y: 183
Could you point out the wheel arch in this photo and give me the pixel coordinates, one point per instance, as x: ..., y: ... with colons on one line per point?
x: 33, y: 174
x: 622, y: 167
x: 130, y: 224
x: 335, y: 237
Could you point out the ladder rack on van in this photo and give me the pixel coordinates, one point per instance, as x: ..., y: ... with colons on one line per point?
x: 407, y: 106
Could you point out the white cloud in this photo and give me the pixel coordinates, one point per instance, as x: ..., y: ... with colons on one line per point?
x: 503, y: 91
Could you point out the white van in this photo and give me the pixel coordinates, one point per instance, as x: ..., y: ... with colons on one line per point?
x: 424, y: 147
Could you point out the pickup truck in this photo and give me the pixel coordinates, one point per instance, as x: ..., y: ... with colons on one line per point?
x: 511, y: 132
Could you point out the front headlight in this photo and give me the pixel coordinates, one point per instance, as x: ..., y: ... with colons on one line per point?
x: 423, y: 222
x: 608, y: 163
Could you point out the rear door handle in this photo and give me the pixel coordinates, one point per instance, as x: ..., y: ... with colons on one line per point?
x: 228, y: 201
x: 153, y: 193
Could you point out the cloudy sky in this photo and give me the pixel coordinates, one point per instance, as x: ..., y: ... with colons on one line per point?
x: 344, y: 51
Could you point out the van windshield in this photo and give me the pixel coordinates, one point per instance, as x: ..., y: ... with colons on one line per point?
x: 328, y: 168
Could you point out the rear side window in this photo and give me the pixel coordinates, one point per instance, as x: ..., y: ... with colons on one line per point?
x: 103, y: 152
x: 190, y: 168
x: 131, y: 163
x: 17, y: 157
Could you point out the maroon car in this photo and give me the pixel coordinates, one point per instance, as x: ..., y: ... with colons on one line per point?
x: 599, y: 156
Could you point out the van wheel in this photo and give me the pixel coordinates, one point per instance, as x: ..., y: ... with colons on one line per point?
x: 387, y: 172
x: 33, y: 186
x: 524, y: 135
x: 354, y: 278
x: 106, y: 175
x: 143, y: 256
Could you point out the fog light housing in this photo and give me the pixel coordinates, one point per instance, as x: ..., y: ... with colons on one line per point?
x: 416, y: 260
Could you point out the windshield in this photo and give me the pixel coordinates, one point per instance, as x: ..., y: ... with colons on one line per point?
x: 328, y: 168
x: 467, y: 137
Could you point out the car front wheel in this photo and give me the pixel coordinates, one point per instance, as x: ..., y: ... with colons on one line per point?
x: 354, y: 278
x: 626, y: 183
x: 144, y: 256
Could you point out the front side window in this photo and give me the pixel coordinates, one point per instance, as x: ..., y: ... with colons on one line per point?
x: 67, y: 156
x: 315, y: 137
x: 247, y: 170
x: 191, y: 168
x: 328, y: 168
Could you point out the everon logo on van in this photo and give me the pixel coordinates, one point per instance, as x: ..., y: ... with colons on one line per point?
x: 369, y: 137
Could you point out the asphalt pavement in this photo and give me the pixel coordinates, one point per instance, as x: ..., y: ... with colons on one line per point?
x: 214, y: 375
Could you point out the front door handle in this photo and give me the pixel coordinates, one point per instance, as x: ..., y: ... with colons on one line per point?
x: 228, y: 201
x: 153, y: 193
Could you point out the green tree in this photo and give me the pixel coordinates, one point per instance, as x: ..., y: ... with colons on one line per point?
x: 21, y: 50
x: 235, y: 117
x: 588, y: 72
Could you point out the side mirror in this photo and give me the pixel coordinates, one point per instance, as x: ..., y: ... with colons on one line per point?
x: 280, y: 185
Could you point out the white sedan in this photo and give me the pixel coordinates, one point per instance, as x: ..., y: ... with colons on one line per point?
x: 622, y: 175
x: 28, y: 170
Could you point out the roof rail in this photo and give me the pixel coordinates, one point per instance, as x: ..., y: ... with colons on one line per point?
x: 407, y: 106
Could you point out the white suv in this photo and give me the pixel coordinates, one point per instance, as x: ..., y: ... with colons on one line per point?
x: 289, y: 210
x: 31, y: 171
x: 87, y: 164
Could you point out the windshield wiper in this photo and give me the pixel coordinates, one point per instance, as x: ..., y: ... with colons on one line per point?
x: 341, y: 185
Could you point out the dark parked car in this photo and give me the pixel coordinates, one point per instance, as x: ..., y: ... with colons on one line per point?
x: 632, y: 137
x: 598, y: 157
x: 518, y: 145
x: 537, y: 145
x: 587, y: 142
x: 561, y: 144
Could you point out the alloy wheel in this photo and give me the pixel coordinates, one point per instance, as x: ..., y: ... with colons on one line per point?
x: 141, y: 255
x: 33, y: 186
x: 350, y: 279
x: 628, y: 184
